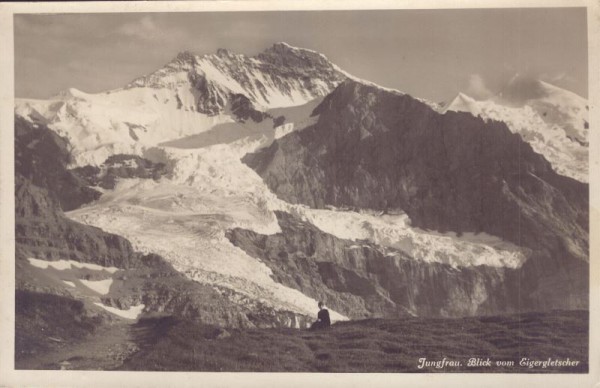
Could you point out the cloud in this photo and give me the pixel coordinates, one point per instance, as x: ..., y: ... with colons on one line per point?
x: 557, y: 78
x: 148, y: 28
x: 477, y: 89
x: 144, y: 28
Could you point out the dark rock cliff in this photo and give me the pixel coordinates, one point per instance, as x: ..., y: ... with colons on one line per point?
x: 42, y: 231
x: 359, y: 279
x: 120, y: 166
x: 41, y: 156
x: 449, y: 172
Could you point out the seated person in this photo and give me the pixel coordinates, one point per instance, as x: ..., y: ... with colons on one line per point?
x: 323, y: 320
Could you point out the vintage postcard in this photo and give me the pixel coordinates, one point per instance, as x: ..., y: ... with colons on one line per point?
x: 298, y: 193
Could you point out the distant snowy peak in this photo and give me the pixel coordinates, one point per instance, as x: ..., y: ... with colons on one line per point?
x: 70, y: 94
x: 280, y: 76
x: 282, y: 54
x: 521, y: 89
x: 463, y: 103
x: 552, y: 120
x: 556, y: 106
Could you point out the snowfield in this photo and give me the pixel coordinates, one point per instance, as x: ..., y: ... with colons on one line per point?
x: 118, y: 122
x: 132, y: 121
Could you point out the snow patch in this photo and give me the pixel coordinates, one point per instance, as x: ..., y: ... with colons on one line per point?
x: 62, y: 265
x: 100, y: 286
x: 93, y: 267
x: 131, y: 313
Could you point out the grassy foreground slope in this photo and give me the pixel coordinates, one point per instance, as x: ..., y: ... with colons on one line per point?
x: 369, y: 346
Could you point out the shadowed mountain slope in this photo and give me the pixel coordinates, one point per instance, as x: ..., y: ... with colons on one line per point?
x: 376, y: 149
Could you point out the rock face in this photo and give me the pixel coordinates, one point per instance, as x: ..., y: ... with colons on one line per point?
x: 243, y: 109
x: 41, y: 231
x: 120, y: 166
x: 165, y: 291
x: 361, y: 280
x: 282, y: 75
x: 41, y: 156
x: 382, y: 150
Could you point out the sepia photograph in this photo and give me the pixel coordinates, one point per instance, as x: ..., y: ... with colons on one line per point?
x: 378, y: 192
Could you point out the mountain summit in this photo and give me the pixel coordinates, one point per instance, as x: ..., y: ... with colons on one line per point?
x: 553, y: 120
x: 282, y: 75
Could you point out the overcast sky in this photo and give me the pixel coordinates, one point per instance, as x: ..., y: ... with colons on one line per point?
x: 428, y: 53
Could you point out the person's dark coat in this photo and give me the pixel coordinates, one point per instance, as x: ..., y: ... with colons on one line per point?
x: 323, y: 317
x: 323, y: 320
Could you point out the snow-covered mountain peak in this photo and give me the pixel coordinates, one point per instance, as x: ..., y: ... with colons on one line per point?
x: 184, y: 57
x: 286, y: 45
x: 283, y: 54
x: 283, y: 48
x: 188, y: 95
x: 463, y: 103
x: 555, y: 105
x: 521, y: 90
x: 280, y: 76
x: 223, y: 52
x: 69, y: 94
x: 553, y: 120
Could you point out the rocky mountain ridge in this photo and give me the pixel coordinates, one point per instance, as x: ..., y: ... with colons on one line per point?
x: 373, y: 149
